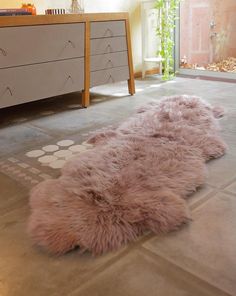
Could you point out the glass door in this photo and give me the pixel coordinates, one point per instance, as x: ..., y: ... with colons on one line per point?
x: 206, y: 38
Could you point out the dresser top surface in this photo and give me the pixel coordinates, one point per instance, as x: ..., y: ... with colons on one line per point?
x: 12, y: 21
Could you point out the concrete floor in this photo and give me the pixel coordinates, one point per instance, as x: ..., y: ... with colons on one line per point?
x: 35, y: 140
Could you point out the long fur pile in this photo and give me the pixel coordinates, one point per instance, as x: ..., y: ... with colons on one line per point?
x: 136, y: 178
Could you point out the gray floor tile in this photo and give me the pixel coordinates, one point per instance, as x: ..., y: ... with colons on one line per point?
x: 137, y: 274
x: 200, y: 196
x: 12, y: 194
x: 15, y: 138
x: 231, y: 188
x: 221, y: 170
x: 26, y: 270
x: 206, y: 247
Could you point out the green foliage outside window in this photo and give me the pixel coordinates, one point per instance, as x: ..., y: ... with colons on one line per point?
x: 165, y: 31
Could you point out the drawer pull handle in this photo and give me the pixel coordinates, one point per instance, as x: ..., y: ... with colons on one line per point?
x: 9, y: 90
x: 109, y: 31
x: 111, y: 78
x: 109, y: 48
x: 66, y: 44
x: 70, y: 78
x: 3, y: 52
x: 110, y: 63
x: 71, y: 43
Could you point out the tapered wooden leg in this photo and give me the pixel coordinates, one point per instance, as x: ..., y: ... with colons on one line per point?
x: 131, y: 85
x: 85, y: 93
x: 85, y: 98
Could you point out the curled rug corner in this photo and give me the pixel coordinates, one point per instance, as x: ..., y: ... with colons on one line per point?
x: 136, y: 178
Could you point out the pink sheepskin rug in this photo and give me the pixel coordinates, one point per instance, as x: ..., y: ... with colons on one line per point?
x: 136, y: 178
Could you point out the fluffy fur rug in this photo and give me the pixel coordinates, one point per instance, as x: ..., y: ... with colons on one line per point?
x: 136, y: 178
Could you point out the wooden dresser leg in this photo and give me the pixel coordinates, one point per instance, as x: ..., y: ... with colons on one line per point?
x: 85, y: 92
x: 85, y: 98
x: 131, y: 84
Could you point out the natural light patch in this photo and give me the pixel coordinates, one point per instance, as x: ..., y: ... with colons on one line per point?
x: 98, y: 100
x: 120, y: 94
x: 155, y: 85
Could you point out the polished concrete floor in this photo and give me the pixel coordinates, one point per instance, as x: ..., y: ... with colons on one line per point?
x: 35, y: 141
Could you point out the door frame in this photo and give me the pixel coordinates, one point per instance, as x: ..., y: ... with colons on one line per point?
x: 193, y: 72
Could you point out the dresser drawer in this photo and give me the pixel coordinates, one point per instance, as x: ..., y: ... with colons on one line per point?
x: 107, y: 29
x: 34, y: 44
x: 108, y: 45
x: 109, y: 60
x: 29, y: 83
x: 109, y: 76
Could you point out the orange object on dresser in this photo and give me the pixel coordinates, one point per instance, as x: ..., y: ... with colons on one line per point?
x: 29, y: 7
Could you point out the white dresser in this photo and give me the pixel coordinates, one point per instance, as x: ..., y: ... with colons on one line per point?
x: 45, y: 56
